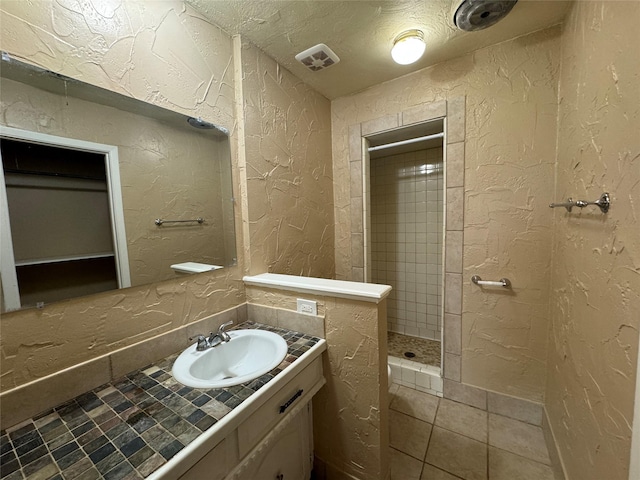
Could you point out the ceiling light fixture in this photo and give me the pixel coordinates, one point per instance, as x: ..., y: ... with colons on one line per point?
x: 408, y: 47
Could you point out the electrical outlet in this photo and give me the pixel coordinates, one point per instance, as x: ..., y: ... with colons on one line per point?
x: 308, y: 307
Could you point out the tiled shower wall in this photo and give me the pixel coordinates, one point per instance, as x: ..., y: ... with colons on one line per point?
x: 406, y: 239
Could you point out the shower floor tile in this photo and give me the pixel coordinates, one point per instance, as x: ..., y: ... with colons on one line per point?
x: 425, y: 351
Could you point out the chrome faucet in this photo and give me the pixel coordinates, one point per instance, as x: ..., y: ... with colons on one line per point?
x: 203, y: 343
x: 215, y: 339
x: 221, y: 336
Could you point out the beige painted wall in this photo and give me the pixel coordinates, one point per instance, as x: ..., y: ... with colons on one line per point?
x: 288, y: 169
x: 595, y: 297
x: 350, y: 413
x: 508, y: 184
x: 160, y: 52
x: 166, y: 54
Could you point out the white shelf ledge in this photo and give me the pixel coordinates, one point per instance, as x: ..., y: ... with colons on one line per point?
x: 68, y: 258
x: 365, y: 292
x: 194, y: 267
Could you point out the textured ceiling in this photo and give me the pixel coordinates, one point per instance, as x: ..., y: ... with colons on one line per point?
x: 361, y: 33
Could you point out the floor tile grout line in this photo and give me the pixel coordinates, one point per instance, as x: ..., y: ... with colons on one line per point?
x: 487, y: 442
x: 517, y: 455
x: 488, y: 472
x: 433, y: 425
x: 447, y: 429
x: 435, y: 415
x: 424, y: 460
x: 440, y: 468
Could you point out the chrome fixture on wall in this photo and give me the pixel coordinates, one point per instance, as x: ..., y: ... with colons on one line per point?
x: 160, y: 221
x: 604, y: 202
x: 503, y: 282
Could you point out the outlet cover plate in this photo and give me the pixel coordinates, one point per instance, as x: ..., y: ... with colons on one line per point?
x: 307, y: 307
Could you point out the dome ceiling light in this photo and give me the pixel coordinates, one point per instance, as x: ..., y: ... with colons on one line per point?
x: 408, y: 47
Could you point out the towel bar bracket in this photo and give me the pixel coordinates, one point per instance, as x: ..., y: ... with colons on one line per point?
x: 160, y: 221
x: 604, y: 202
x: 503, y: 282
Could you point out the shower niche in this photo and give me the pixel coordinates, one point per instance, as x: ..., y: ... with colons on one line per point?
x: 404, y: 235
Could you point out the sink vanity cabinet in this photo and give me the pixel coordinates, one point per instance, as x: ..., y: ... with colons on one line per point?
x: 285, y: 453
x: 268, y: 437
x: 146, y: 424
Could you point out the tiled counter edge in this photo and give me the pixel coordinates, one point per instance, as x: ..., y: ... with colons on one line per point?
x: 136, y: 407
x: 197, y: 449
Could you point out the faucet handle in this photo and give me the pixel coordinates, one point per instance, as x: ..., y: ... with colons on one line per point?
x: 202, y: 341
x: 224, y: 336
x: 222, y: 327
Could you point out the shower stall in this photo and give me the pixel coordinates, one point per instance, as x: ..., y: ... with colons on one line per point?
x: 404, y: 182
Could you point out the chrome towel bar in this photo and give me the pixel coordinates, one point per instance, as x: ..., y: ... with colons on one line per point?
x: 603, y: 202
x: 160, y: 221
x: 503, y: 282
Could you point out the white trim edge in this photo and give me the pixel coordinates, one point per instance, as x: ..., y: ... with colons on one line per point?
x: 365, y: 292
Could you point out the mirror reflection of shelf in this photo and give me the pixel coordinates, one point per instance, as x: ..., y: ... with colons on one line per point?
x: 40, y: 284
x: 194, y: 267
x: 58, y: 212
x: 69, y: 258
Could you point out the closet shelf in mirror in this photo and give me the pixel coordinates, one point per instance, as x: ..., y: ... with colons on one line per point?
x: 68, y: 258
x: 60, y: 182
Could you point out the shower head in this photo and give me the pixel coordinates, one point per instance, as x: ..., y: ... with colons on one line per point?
x: 200, y: 123
x: 474, y: 15
x: 204, y: 125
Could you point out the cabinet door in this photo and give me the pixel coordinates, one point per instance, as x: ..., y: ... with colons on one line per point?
x: 214, y: 465
x: 265, y: 419
x: 287, y: 456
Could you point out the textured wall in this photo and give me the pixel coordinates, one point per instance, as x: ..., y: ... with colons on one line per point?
x: 511, y: 107
x: 289, y: 175
x: 167, y: 54
x: 595, y: 299
x: 350, y: 413
x: 160, y: 52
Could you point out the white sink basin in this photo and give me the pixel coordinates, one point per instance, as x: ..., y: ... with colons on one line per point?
x: 249, y: 354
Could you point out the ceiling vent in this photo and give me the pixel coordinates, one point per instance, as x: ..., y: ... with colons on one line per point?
x: 317, y: 58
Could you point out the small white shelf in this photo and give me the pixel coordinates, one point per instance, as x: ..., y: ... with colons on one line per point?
x: 365, y: 292
x: 194, y: 267
x: 70, y: 258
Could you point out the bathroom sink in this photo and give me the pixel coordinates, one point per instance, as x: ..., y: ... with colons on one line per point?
x: 249, y: 354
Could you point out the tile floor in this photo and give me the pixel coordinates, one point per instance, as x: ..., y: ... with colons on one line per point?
x: 437, y: 439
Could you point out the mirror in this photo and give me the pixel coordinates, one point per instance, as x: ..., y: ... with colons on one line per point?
x: 76, y: 156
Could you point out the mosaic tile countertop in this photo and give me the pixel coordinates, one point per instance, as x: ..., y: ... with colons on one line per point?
x: 128, y: 428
